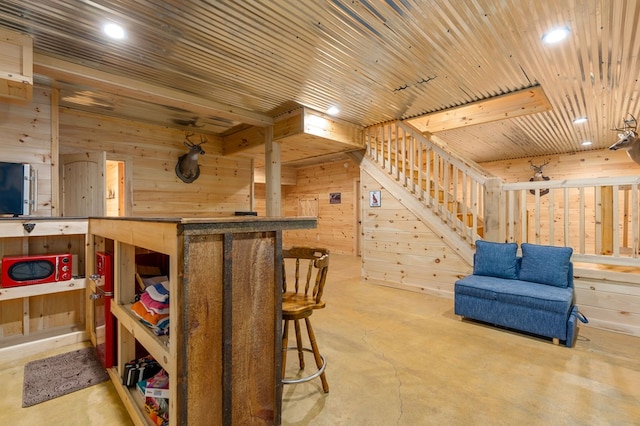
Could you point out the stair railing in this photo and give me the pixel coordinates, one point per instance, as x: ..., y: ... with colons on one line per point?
x: 598, y: 217
x: 451, y: 188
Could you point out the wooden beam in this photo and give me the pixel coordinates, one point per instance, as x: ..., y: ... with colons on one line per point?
x: 307, y: 121
x: 273, y: 165
x: 303, y: 133
x: 289, y: 124
x: 325, y: 126
x: 516, y: 104
x: 250, y: 140
x: 124, y: 86
x: 16, y: 67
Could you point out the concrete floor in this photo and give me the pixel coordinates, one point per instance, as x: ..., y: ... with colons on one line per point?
x: 400, y: 358
x: 96, y: 405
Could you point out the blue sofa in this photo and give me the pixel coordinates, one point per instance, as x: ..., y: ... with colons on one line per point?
x: 532, y: 293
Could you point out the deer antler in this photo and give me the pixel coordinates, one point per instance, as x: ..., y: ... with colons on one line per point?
x: 630, y: 124
x: 190, y: 144
x: 538, y: 168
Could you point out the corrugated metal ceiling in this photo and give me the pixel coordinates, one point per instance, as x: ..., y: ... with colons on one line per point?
x: 376, y: 60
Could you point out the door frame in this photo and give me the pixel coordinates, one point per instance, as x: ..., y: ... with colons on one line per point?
x: 128, y: 181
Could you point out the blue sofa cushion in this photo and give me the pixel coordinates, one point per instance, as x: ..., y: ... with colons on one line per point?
x: 495, y: 259
x: 515, y: 292
x: 545, y: 264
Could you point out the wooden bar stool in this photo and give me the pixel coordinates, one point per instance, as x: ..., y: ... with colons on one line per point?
x: 299, y: 303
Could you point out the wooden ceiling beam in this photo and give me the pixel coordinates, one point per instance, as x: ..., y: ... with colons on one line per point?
x: 77, y: 74
x: 523, y: 102
x: 300, y: 130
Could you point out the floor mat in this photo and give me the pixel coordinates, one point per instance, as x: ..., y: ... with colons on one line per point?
x: 59, y: 375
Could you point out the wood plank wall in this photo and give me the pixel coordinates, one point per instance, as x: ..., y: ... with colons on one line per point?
x: 25, y: 137
x: 224, y: 185
x: 400, y: 251
x: 601, y: 163
x: 609, y: 296
x: 337, y: 223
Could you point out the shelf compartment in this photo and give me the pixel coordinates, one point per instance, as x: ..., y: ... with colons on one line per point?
x: 133, y: 401
x: 157, y: 346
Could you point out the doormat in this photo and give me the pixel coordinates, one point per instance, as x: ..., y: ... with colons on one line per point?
x: 62, y: 374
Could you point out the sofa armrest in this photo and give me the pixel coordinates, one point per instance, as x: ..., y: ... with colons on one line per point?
x: 570, y: 277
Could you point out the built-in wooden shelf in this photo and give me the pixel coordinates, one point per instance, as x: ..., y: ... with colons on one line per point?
x: 223, y: 352
x: 43, y: 316
x: 10, y: 293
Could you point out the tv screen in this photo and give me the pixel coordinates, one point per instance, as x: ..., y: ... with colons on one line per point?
x: 14, y: 189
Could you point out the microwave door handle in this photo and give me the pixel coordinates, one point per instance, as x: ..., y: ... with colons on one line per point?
x: 57, y: 268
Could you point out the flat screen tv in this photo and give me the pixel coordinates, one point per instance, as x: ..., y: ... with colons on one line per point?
x: 15, y: 188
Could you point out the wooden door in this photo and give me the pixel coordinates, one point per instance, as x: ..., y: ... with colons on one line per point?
x: 358, y: 215
x: 83, y: 184
x: 308, y: 206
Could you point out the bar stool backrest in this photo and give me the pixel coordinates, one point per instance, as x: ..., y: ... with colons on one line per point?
x: 313, y: 262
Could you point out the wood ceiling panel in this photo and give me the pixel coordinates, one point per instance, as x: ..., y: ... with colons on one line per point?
x: 377, y: 60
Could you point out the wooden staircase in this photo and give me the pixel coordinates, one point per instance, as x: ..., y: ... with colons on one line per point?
x: 446, y: 192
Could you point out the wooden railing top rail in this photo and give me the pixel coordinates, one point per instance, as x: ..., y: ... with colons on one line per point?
x: 572, y: 183
x: 609, y: 259
x: 471, y: 169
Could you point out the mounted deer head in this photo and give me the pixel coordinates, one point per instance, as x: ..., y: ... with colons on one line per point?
x: 538, y: 176
x: 628, y: 139
x: 187, y: 168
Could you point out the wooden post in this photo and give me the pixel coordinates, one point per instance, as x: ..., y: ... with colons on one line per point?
x: 494, y: 229
x: 55, y: 153
x: 606, y: 209
x: 273, y: 165
x: 252, y: 187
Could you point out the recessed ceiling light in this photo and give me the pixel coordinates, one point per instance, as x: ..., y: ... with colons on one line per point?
x: 586, y: 143
x: 555, y: 35
x: 333, y: 110
x: 580, y: 120
x: 114, y: 31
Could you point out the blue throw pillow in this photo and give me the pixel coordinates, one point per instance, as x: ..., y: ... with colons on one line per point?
x: 545, y: 264
x: 495, y: 259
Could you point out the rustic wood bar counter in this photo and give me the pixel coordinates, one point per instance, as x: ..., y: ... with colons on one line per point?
x: 223, y: 352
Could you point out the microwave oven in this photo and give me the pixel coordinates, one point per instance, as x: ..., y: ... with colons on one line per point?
x: 36, y: 269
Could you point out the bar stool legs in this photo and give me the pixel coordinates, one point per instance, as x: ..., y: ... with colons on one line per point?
x: 319, y: 359
x: 303, y: 296
x: 296, y: 324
